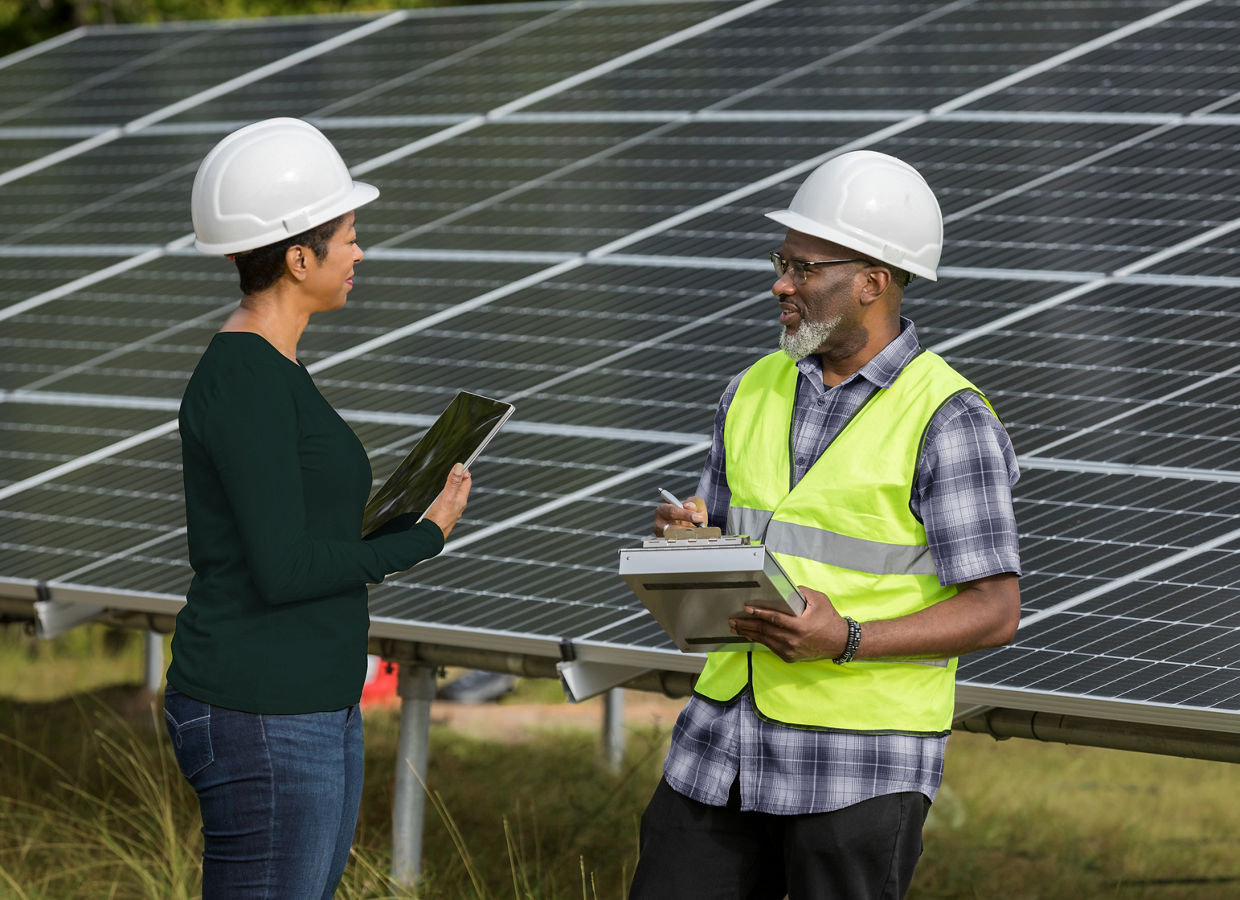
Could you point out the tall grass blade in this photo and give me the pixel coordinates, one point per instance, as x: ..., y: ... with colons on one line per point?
x: 8, y: 879
x: 512, y: 859
x: 458, y: 840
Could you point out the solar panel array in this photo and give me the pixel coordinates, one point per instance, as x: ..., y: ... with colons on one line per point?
x: 571, y: 219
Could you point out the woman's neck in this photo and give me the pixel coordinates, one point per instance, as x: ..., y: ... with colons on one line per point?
x: 280, y: 323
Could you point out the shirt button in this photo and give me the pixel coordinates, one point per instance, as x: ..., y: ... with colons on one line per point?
x: 800, y: 460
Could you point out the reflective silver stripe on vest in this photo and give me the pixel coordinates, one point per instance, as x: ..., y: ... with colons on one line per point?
x: 752, y: 522
x: 849, y: 552
x: 832, y: 548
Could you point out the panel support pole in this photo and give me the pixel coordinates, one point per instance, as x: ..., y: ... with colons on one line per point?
x: 416, y: 687
x: 154, y: 660
x: 613, y: 728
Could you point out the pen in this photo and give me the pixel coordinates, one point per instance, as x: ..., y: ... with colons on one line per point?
x: 671, y: 498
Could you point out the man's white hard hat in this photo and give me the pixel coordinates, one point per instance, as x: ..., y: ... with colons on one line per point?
x: 874, y: 204
x: 269, y: 181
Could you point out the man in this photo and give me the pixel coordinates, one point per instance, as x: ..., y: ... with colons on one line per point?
x: 882, y: 481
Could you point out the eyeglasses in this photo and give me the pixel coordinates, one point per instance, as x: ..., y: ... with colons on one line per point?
x: 800, y: 268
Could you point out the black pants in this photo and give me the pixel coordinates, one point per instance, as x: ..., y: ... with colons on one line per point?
x: 689, y: 849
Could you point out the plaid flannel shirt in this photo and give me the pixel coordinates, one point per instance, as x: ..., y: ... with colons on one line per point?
x: 962, y: 494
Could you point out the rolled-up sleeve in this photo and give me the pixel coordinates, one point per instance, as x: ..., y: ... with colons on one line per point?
x: 963, y: 492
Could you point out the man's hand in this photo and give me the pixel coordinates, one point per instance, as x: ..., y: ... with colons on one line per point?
x: 984, y: 614
x: 692, y: 513
x: 818, y: 633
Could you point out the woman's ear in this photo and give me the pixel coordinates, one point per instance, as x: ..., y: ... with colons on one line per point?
x: 296, y: 260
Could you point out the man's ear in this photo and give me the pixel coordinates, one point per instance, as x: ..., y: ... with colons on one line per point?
x: 296, y: 260
x: 877, y: 280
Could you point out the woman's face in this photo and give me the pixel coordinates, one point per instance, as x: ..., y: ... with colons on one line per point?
x: 330, y: 280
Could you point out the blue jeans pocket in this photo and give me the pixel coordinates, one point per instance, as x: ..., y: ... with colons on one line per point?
x: 189, y: 727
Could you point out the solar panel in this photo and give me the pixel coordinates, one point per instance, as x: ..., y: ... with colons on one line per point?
x: 571, y: 219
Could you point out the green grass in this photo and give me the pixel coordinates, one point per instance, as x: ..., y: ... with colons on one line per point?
x: 23, y: 22
x: 1023, y: 819
x: 81, y: 660
x: 91, y: 805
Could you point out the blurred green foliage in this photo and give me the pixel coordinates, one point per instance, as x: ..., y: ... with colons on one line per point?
x: 26, y: 22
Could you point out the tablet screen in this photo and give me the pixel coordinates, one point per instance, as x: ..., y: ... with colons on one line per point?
x: 457, y: 436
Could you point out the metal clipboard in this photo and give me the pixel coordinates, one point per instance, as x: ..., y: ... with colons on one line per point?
x: 692, y: 586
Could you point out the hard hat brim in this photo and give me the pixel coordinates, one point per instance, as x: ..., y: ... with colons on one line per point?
x: 359, y: 196
x: 806, y: 225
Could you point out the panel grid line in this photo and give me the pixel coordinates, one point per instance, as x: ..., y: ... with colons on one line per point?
x: 198, y: 99
x: 763, y: 184
x: 1061, y: 308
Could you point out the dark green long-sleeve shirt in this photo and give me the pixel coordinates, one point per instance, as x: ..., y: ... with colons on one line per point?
x: 275, y: 483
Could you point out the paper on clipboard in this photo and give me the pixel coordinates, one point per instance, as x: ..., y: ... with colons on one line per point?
x: 457, y: 436
x: 692, y: 587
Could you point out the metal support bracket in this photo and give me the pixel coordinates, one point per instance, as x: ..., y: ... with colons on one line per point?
x: 582, y: 680
x: 55, y: 617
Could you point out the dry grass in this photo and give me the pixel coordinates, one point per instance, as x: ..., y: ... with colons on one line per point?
x: 91, y: 805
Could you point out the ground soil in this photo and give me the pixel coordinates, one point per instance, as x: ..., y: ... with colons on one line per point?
x: 499, y: 720
x: 517, y: 721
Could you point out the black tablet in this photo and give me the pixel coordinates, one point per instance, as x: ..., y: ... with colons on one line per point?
x: 457, y: 436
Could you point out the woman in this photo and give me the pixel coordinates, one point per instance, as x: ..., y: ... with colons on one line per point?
x: 269, y: 653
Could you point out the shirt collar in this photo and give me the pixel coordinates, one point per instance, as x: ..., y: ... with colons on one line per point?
x: 884, y: 368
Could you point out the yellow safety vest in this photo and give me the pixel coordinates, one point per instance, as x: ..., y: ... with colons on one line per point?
x: 845, y: 529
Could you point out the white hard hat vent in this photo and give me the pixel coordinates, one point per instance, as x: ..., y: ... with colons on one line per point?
x: 297, y: 223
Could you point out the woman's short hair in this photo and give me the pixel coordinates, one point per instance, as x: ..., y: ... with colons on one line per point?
x: 261, y: 268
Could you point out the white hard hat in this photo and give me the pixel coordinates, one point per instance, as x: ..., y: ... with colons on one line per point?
x: 269, y: 181
x: 874, y: 204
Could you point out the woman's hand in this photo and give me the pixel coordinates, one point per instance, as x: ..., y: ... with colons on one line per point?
x: 448, y: 506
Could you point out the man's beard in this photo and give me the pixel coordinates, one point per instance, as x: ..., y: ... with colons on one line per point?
x: 808, y: 337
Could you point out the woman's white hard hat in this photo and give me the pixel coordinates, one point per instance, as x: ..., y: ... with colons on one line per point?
x: 874, y: 204
x: 269, y: 181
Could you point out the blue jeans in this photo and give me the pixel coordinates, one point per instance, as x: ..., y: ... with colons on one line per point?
x: 279, y: 796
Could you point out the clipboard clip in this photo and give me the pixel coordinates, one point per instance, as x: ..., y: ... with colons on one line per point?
x: 700, y: 536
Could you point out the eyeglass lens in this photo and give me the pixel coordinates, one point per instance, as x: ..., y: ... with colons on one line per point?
x: 800, y: 272
x: 782, y: 265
